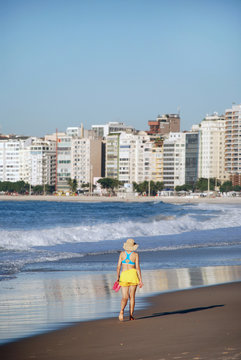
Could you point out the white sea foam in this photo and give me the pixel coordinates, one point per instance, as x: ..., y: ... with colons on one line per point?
x: 225, y: 217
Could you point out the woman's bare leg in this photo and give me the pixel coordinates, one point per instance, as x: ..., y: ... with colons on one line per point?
x: 132, y: 300
x: 125, y: 296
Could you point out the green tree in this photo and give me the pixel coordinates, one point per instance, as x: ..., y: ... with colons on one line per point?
x: 159, y: 185
x: 237, y: 188
x: 202, y: 184
x: 143, y: 187
x: 19, y: 186
x: 72, y: 184
x: 85, y: 185
x: 109, y: 184
x: 226, y: 186
x: 38, y: 189
x: 49, y: 188
x: 184, y: 187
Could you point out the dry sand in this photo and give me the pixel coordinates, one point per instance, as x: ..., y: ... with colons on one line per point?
x: 167, y: 199
x: 201, y: 323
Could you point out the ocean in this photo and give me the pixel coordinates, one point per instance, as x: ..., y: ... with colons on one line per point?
x: 58, y: 259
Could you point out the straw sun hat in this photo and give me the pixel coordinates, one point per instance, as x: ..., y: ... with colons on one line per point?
x: 130, y: 245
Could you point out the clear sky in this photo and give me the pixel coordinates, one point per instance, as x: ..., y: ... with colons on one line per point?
x: 63, y: 63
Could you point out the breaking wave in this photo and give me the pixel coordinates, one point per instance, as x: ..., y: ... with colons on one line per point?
x: 157, y: 225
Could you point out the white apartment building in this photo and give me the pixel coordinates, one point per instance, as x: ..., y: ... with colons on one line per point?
x: 42, y: 162
x: 128, y: 157
x: 10, y: 150
x: 86, y: 158
x: 212, y: 148
x: 233, y: 143
x: 37, y: 162
x: 174, y: 160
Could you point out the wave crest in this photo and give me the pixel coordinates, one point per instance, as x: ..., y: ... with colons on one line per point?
x: 158, y: 225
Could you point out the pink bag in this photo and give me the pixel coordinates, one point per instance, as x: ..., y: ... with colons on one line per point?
x: 116, y: 286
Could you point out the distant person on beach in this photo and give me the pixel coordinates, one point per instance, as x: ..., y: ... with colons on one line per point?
x: 130, y: 276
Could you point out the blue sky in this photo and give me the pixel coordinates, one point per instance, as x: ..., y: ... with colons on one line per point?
x: 64, y: 63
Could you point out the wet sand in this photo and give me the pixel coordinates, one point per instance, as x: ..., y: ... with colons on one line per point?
x: 201, y: 323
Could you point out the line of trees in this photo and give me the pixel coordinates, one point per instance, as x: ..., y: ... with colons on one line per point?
x: 21, y: 187
x: 227, y: 186
x: 145, y: 186
x: 142, y: 188
x: 202, y: 185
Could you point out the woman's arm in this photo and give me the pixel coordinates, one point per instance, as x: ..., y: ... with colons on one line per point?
x: 138, y: 269
x: 119, y: 266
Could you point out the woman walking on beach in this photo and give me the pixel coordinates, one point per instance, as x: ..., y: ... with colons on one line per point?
x: 130, y: 276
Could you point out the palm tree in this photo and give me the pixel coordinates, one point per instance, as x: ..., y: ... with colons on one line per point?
x: 72, y: 184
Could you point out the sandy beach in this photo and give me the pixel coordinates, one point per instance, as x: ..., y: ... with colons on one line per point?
x: 84, y: 198
x: 201, y: 323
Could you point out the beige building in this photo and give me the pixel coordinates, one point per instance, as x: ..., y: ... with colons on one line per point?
x: 86, y: 160
x: 157, y: 160
x: 233, y: 144
x: 78, y: 158
x: 212, y: 148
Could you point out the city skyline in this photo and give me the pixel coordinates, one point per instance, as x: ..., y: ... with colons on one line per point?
x: 64, y: 64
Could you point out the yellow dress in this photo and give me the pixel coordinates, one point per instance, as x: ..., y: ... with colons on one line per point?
x: 129, y: 277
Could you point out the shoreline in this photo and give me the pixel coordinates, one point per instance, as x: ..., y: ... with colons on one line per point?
x: 165, y: 199
x: 67, y: 304
x: 62, y: 289
x: 199, y: 323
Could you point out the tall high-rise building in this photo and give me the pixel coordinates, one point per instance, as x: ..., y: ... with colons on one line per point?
x: 79, y: 158
x: 42, y: 162
x: 64, y: 162
x: 128, y: 157
x: 29, y: 159
x: 38, y: 162
x: 164, y: 124
x: 233, y: 144
x: 10, y: 149
x: 86, y: 157
x: 174, y: 160
x: 157, y: 160
x: 212, y: 148
x: 191, y: 157
x: 180, y: 159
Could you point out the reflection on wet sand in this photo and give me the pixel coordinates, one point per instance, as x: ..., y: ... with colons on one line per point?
x: 36, y: 302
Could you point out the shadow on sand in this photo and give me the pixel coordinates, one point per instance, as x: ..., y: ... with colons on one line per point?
x: 185, y: 311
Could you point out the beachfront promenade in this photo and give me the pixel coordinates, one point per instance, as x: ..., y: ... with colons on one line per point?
x: 84, y: 198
